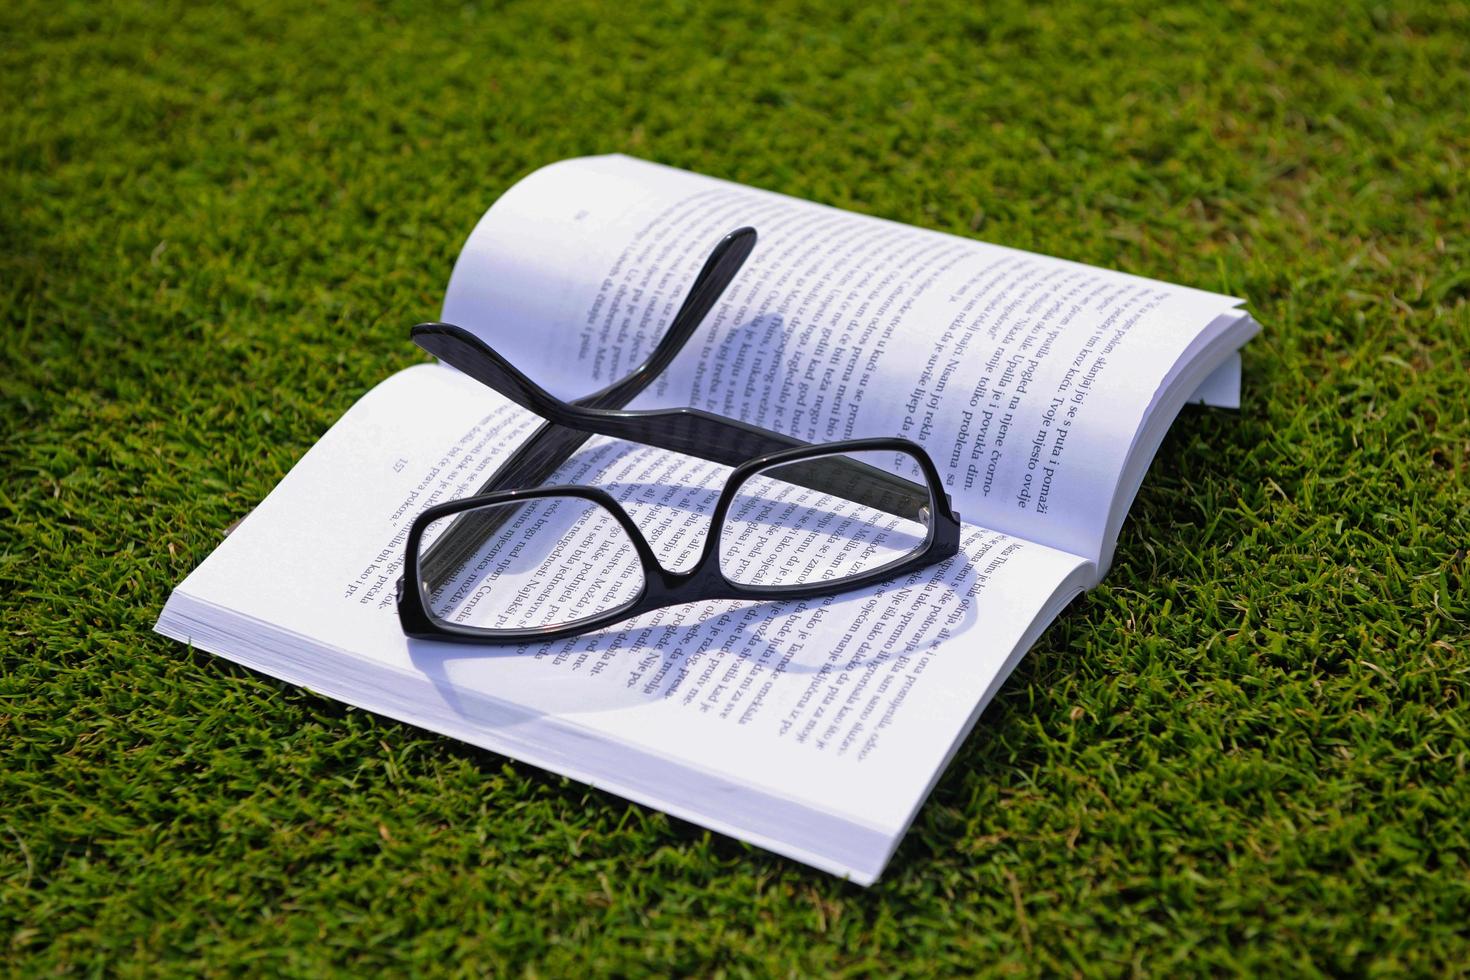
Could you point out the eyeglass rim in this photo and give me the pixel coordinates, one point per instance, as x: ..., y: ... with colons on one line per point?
x: 704, y: 581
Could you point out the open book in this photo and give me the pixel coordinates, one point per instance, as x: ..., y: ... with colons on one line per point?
x: 816, y: 728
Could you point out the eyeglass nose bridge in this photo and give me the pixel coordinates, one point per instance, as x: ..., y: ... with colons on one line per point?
x: 704, y: 578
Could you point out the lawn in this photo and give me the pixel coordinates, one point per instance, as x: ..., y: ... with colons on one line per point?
x: 1247, y: 751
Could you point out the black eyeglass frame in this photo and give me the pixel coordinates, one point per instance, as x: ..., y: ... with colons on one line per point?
x: 661, y: 587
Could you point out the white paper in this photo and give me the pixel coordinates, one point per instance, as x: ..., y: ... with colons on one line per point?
x: 1026, y: 377
x: 847, y: 705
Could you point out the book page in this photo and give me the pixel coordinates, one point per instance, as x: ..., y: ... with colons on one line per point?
x: 847, y: 704
x: 1026, y: 377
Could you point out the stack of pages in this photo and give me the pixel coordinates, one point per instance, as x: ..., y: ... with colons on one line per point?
x: 1042, y: 389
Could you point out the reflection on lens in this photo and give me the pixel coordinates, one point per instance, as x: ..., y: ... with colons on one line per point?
x: 825, y: 519
x: 549, y: 561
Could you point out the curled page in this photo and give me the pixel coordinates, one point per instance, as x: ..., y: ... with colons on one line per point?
x: 1028, y: 378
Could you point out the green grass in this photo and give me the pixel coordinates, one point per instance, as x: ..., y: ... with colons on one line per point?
x: 1247, y: 751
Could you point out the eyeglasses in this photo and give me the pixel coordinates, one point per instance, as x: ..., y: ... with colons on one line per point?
x: 794, y: 520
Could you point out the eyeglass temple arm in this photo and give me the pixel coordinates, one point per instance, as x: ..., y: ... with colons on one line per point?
x: 725, y: 259
x: 551, y: 445
x: 682, y: 430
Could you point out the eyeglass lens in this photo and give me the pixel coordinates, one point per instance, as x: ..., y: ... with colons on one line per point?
x: 810, y: 521
x: 548, y: 561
